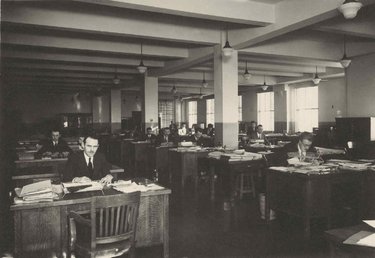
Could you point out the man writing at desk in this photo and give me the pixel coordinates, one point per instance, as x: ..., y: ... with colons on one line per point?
x: 302, y: 150
x: 88, y: 164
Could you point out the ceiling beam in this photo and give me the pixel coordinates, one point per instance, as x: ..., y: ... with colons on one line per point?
x: 75, y: 58
x: 96, y: 46
x: 245, y: 12
x: 328, y: 76
x: 69, y: 68
x: 290, y: 15
x: 281, y: 67
x: 108, y: 21
x: 58, y: 74
x: 196, y: 57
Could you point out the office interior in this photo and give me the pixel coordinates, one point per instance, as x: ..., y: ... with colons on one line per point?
x: 117, y: 67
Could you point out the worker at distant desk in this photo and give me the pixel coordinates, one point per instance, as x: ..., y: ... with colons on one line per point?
x: 54, y: 145
x: 259, y: 136
x: 303, y: 150
x: 165, y: 138
x: 149, y: 136
x: 88, y: 164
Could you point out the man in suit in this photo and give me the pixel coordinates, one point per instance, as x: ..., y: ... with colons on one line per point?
x: 210, y: 131
x: 149, y: 136
x: 88, y: 164
x: 252, y: 130
x: 54, y: 145
x: 259, y: 135
x: 303, y: 149
x: 165, y: 138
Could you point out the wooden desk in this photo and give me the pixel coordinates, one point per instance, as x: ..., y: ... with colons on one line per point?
x: 56, y: 167
x: 44, y: 227
x: 139, y: 158
x: 159, y: 159
x: 315, y: 196
x: 184, y: 164
x: 336, y: 237
x: 229, y: 170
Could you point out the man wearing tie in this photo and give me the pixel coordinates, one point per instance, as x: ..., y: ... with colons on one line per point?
x: 259, y: 135
x: 54, y: 145
x: 303, y: 149
x: 88, y: 164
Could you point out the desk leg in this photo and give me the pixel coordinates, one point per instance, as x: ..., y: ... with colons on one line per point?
x: 267, y: 198
x: 166, y: 227
x: 307, y: 215
x: 212, y: 182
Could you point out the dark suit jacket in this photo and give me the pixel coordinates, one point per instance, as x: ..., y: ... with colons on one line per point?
x: 254, y: 136
x: 160, y: 139
x: 47, y: 146
x: 293, y: 147
x: 151, y: 138
x: 77, y: 167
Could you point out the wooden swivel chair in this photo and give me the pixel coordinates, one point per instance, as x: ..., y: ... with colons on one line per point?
x: 109, y: 229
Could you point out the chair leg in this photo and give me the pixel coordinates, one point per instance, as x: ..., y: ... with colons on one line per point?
x: 132, y: 252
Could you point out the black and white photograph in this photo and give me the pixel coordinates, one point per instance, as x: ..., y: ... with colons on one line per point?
x: 187, y: 128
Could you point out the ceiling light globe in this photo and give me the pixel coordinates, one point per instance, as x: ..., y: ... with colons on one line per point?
x: 350, y: 9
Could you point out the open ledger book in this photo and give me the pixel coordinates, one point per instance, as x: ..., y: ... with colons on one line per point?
x: 363, y: 238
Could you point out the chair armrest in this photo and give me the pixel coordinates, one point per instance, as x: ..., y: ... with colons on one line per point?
x: 79, y: 219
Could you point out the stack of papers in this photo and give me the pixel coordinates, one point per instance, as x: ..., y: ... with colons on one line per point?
x: 36, y: 192
x: 82, y: 187
x: 355, y: 165
x: 327, y: 151
x: 364, y: 238
x: 134, y: 187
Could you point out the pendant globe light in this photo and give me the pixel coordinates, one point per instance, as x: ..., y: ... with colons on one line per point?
x: 246, y: 75
x: 227, y: 49
x: 350, y: 8
x: 264, y: 86
x: 316, y: 80
x: 116, y: 79
x: 345, y: 61
x: 204, y: 82
x: 141, y: 67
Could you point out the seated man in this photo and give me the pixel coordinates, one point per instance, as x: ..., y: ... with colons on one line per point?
x: 200, y: 140
x: 252, y: 130
x: 165, y: 137
x: 149, y: 136
x: 259, y: 135
x: 54, y: 145
x: 210, y: 131
x: 88, y: 164
x: 303, y: 149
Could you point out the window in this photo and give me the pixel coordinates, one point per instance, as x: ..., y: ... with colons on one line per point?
x: 266, y: 110
x: 210, y: 111
x: 306, y: 103
x: 192, y: 113
x: 166, y: 112
x: 240, y: 108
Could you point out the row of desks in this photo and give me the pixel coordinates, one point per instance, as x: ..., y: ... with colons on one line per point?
x: 42, y: 229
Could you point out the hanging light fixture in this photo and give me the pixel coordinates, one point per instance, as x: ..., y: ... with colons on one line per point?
x: 345, y: 61
x: 204, y: 82
x: 227, y: 49
x: 141, y: 67
x: 264, y: 86
x: 174, y: 89
x: 316, y: 80
x: 246, y: 75
x: 350, y: 8
x: 116, y: 80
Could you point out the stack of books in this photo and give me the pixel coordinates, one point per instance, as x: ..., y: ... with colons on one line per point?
x: 35, y: 192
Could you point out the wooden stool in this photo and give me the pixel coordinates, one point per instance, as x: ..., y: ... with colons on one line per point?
x: 245, y: 183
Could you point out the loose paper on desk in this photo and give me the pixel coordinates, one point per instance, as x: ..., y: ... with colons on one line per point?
x: 365, y: 238
x: 370, y: 222
x: 35, y: 188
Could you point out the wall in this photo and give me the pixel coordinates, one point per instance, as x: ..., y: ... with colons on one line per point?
x: 34, y: 107
x: 130, y: 103
x: 361, y: 86
x: 332, y: 97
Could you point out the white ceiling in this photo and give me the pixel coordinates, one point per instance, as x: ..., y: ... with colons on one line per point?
x: 78, y: 45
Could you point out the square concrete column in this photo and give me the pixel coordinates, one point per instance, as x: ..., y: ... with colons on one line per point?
x: 115, y: 110
x: 226, y: 98
x: 150, y: 102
